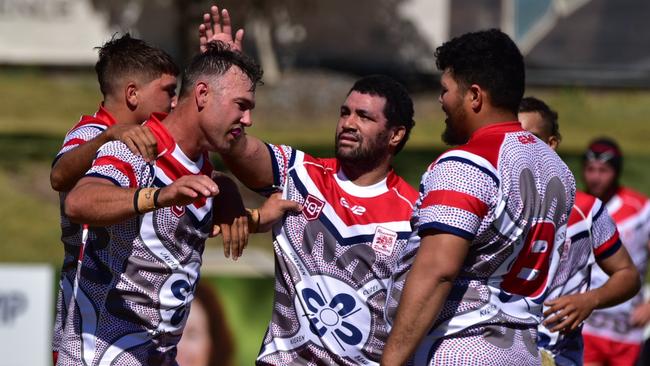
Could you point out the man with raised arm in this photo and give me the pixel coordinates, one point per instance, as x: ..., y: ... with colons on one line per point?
x: 591, y: 238
x: 334, y: 260
x: 491, y: 216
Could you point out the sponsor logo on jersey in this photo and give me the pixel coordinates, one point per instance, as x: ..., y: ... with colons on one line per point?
x: 384, y: 240
x: 312, y: 207
x: 356, y: 209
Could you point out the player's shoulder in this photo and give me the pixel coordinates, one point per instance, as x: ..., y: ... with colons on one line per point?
x: 585, y: 202
x: 401, y: 187
x: 633, y: 198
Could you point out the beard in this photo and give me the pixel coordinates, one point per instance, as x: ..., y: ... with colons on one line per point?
x: 367, y: 154
x: 452, y: 135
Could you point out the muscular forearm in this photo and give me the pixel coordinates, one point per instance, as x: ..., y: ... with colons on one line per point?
x: 420, y: 304
x: 99, y: 204
x: 250, y: 161
x: 429, y: 281
x: 74, y: 164
x: 623, y: 283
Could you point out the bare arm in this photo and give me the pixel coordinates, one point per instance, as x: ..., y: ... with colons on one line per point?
x: 436, y: 265
x: 623, y: 283
x: 72, y: 165
x: 97, y: 201
x: 250, y: 161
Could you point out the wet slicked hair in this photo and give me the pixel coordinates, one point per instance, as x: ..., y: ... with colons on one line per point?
x: 399, y: 106
x: 216, y: 61
x: 130, y: 57
x: 489, y: 59
x: 549, y: 116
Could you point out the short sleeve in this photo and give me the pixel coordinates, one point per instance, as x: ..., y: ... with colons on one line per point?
x: 115, y: 162
x: 282, y: 160
x: 77, y: 137
x: 605, y: 238
x: 455, y: 196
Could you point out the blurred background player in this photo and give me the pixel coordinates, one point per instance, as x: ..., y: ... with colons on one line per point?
x: 592, y: 237
x: 136, y: 80
x: 491, y: 216
x: 207, y: 339
x: 613, y: 336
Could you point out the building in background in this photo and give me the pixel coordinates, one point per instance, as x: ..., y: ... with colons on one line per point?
x: 565, y: 42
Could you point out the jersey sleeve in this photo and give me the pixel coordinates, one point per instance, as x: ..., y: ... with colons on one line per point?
x: 77, y: 137
x: 454, y: 198
x: 282, y: 159
x: 605, y: 238
x: 116, y: 163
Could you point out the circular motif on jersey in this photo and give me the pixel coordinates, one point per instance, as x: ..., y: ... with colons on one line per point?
x: 335, y: 312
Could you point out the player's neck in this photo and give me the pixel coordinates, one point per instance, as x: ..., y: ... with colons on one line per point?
x: 120, y: 112
x: 362, y: 176
x: 492, y: 116
x: 184, y: 133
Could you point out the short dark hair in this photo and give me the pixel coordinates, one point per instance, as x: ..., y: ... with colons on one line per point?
x: 128, y: 56
x: 489, y: 59
x: 399, y: 106
x: 549, y: 116
x: 216, y: 61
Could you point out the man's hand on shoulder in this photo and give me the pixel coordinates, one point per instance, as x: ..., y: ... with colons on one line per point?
x: 138, y: 138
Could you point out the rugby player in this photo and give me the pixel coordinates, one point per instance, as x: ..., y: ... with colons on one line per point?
x: 491, y: 218
x: 614, y: 335
x: 138, y: 273
x: 592, y: 238
x: 136, y: 80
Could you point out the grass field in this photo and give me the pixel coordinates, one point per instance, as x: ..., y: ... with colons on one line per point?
x: 38, y: 108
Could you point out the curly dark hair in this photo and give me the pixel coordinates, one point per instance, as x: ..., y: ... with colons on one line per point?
x: 549, y: 116
x: 217, y: 60
x: 128, y: 56
x: 489, y: 59
x: 399, y: 106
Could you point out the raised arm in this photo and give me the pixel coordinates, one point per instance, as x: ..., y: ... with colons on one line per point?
x: 623, y: 283
x: 217, y: 26
x: 72, y: 165
x: 98, y: 202
x: 428, y: 284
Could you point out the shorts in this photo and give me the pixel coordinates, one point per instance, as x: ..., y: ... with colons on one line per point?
x: 608, y: 352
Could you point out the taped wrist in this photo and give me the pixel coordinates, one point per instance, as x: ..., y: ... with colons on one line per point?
x: 253, y: 220
x: 145, y: 200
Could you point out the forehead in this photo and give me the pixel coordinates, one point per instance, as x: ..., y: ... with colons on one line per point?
x: 368, y: 102
x: 531, y: 121
x: 447, y: 78
x: 235, y: 80
x: 599, y: 165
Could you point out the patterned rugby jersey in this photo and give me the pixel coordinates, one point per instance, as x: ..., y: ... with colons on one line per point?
x: 631, y: 213
x: 85, y: 130
x: 137, y: 278
x: 334, y: 261
x: 591, y: 237
x: 510, y: 195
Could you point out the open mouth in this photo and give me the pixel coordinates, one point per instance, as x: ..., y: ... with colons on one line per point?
x: 236, y: 132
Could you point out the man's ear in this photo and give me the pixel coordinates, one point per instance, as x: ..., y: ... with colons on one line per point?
x: 131, y: 95
x: 397, y: 135
x: 201, y: 92
x: 476, y: 96
x: 553, y: 142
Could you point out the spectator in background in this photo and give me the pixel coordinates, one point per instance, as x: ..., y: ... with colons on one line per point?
x: 207, y: 339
